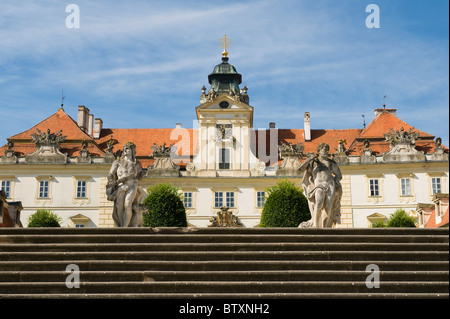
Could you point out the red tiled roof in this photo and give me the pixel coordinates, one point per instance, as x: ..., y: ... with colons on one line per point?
x: 382, y: 125
x: 432, y: 220
x: 187, y: 139
x: 145, y: 138
x: 55, y: 122
x: 384, y: 122
x: 295, y: 136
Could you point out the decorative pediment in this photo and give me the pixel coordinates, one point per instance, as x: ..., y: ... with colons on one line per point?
x: 10, y: 155
x: 163, y: 164
x: 225, y: 108
x: 47, y: 148
x: 439, y: 151
x: 341, y: 153
x: 234, y: 94
x: 291, y: 149
x: 225, y: 218
x: 224, y: 102
x: 376, y: 217
x: 84, y: 157
x: 367, y: 153
x: 291, y: 154
x: 402, y: 144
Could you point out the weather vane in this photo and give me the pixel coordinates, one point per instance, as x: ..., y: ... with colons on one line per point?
x: 62, y: 100
x: 225, y: 44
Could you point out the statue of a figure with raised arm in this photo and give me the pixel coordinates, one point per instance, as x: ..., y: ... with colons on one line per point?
x: 123, y: 188
x: 322, y: 187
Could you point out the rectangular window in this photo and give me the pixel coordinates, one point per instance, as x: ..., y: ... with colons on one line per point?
x: 230, y: 199
x: 224, y: 160
x: 260, y: 199
x: 406, y: 186
x: 218, y: 199
x: 43, y: 189
x: 81, y: 189
x: 436, y: 185
x: 187, y: 199
x: 374, y: 187
x: 6, y: 186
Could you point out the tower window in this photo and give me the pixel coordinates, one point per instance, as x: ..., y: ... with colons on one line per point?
x: 224, y: 104
x: 224, y: 160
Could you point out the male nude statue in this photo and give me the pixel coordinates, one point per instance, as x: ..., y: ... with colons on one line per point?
x: 322, y: 188
x: 123, y: 188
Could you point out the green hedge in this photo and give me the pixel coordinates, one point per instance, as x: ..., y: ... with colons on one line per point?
x: 285, y: 206
x: 44, y: 218
x: 398, y: 219
x: 165, y: 207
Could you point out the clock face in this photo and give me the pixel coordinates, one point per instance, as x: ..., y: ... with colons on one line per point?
x: 224, y: 131
x: 224, y: 104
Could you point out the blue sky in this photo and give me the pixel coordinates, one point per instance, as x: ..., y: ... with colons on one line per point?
x: 141, y: 64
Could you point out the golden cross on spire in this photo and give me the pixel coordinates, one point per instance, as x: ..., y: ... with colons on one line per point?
x: 225, y: 44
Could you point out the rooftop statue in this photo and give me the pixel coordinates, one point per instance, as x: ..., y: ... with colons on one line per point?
x: 322, y: 188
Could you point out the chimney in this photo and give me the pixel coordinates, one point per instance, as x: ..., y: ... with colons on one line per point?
x: 307, y: 127
x: 86, y: 119
x: 81, y: 121
x: 91, y: 124
x: 98, y: 128
x: 272, y: 125
x: 178, y: 125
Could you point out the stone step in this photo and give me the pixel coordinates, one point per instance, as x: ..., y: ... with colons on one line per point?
x: 222, y: 265
x: 262, y: 275
x: 281, y: 246
x: 372, y: 256
x: 219, y: 238
x: 224, y: 231
x: 224, y: 287
x: 224, y: 262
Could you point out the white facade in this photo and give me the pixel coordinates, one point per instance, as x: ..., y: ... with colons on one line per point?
x: 226, y: 162
x: 29, y: 183
x: 391, y: 196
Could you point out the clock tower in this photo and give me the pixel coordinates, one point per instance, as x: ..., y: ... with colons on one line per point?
x: 225, y: 121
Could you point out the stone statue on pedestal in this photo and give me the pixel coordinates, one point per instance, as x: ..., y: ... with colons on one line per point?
x: 322, y: 187
x: 123, y: 188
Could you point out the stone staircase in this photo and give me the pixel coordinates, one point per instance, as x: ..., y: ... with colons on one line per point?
x: 223, y: 262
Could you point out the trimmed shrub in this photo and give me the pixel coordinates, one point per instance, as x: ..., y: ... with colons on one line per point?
x: 165, y: 207
x: 379, y: 224
x: 44, y: 218
x: 285, y: 206
x: 398, y: 219
x: 401, y: 219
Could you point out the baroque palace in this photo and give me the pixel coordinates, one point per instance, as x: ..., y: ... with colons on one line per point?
x: 61, y: 164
